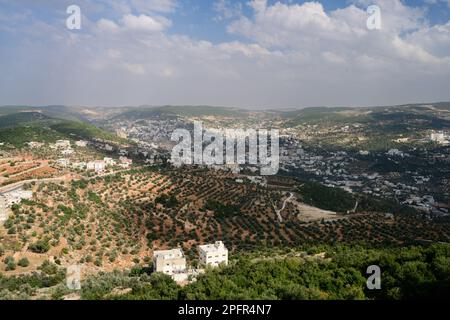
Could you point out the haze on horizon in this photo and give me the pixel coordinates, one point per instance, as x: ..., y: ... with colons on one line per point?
x: 248, y: 54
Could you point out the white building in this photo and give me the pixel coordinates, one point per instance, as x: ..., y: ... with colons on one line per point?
x: 35, y: 145
x: 97, y: 165
x: 213, y: 254
x: 63, y: 144
x: 438, y: 137
x: 81, y: 143
x: 3, y: 209
x: 63, y: 162
x: 67, y: 152
x: 170, y: 262
x: 15, y: 197
x: 125, y: 162
x: 79, y: 165
x: 109, y: 161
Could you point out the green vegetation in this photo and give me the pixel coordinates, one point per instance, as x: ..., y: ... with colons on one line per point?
x: 18, y: 136
x: 326, y: 198
x: 221, y: 210
x: 407, y: 273
x: 167, y: 201
x: 14, y: 119
x: 23, y: 262
x: 337, y: 199
x: 179, y: 111
x: 17, y: 129
x: 25, y: 286
x: 82, y: 130
x: 41, y: 246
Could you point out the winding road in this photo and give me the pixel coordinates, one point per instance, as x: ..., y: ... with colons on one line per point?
x: 278, y: 212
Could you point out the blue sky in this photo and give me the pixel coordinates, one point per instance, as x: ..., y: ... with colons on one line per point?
x: 252, y: 53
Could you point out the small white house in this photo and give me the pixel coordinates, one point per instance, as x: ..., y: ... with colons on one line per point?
x: 63, y: 144
x: 35, y: 145
x: 97, y: 165
x: 81, y: 143
x: 170, y: 262
x: 213, y: 254
x: 125, y: 162
x: 67, y: 152
x: 109, y: 161
x: 63, y: 162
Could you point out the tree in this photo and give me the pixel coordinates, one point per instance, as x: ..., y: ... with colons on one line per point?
x: 23, y: 262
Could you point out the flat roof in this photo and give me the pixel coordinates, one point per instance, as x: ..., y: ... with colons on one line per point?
x: 169, y: 254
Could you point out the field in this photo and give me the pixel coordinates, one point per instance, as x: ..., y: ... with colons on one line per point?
x: 116, y: 221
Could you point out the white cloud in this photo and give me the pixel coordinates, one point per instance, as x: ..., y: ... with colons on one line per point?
x: 145, y: 23
x: 107, y: 25
x: 226, y: 9
x: 293, y: 55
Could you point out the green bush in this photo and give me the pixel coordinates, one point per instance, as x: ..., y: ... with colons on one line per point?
x: 23, y: 262
x: 41, y: 246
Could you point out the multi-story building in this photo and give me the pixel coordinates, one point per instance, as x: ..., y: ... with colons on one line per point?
x: 170, y: 262
x: 213, y: 254
x: 97, y: 165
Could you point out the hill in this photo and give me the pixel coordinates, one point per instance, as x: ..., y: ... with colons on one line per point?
x: 138, y: 113
x: 56, y: 112
x: 14, y: 119
x: 19, y: 128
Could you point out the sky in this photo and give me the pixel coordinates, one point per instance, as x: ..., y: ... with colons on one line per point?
x: 249, y: 53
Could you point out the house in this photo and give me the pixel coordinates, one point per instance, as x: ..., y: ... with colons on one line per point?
x: 81, y: 143
x: 97, y: 165
x: 213, y: 254
x: 67, y: 152
x: 3, y: 209
x: 109, y: 161
x: 35, y: 145
x: 171, y: 262
x: 15, y: 197
x: 125, y: 162
x: 63, y: 144
x: 63, y: 162
x: 79, y: 165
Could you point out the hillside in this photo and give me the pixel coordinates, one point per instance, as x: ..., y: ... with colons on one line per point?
x: 19, y: 128
x: 57, y: 112
x: 317, y: 273
x: 139, y: 113
x: 21, y: 118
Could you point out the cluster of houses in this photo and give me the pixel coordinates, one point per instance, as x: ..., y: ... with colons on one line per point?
x: 97, y: 165
x: 173, y: 262
x: 63, y: 146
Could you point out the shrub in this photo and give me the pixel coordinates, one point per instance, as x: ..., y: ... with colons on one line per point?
x: 41, y: 246
x: 23, y: 262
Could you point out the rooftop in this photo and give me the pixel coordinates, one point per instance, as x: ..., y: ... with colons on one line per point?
x: 169, y: 254
x: 218, y: 245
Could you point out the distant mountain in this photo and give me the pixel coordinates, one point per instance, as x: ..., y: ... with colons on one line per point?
x: 59, y: 112
x: 14, y: 119
x: 437, y: 115
x: 19, y: 128
x: 137, y: 113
